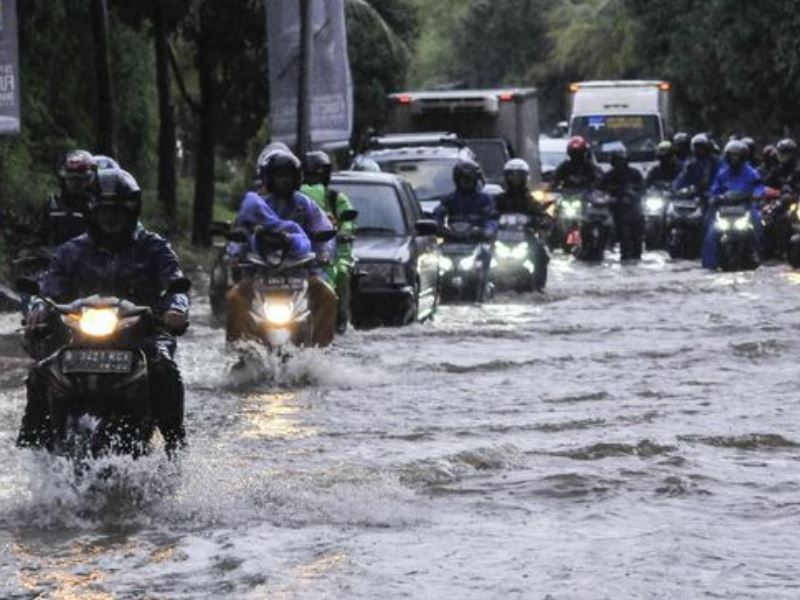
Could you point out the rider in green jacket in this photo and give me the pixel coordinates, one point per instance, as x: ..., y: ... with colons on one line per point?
x: 317, y: 178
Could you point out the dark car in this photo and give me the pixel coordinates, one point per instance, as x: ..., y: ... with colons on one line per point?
x: 429, y: 169
x: 397, y: 272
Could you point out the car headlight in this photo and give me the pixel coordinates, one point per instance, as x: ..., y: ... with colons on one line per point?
x: 654, y: 205
x: 390, y: 273
x: 445, y: 264
x: 520, y: 251
x: 466, y: 264
x: 98, y: 322
x: 723, y: 224
x: 501, y: 250
x: 278, y: 312
x: 743, y: 223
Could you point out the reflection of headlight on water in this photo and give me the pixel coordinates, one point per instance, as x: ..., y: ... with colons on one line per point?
x: 278, y: 312
x: 654, y: 204
x: 98, y: 322
x: 466, y: 264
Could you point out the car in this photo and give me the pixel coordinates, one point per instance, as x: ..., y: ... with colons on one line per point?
x: 429, y: 169
x: 396, y: 278
x: 552, y: 152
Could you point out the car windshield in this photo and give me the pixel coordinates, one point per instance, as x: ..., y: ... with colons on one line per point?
x: 431, y: 179
x: 639, y: 133
x: 492, y: 156
x: 378, y: 206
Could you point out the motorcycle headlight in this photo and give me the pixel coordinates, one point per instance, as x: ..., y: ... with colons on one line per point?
x: 743, y: 223
x: 572, y: 210
x: 501, y: 250
x: 278, y: 312
x: 723, y: 224
x: 98, y: 322
x: 520, y: 251
x: 654, y: 204
x: 466, y: 264
x: 445, y: 264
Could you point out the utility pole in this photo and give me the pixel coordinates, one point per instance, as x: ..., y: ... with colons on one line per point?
x: 304, y: 73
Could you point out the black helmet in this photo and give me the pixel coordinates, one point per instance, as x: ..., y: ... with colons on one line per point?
x: 467, y: 171
x: 736, y: 153
x: 787, y: 150
x: 619, y: 156
x: 681, y: 143
x: 115, y: 204
x: 77, y: 172
x: 317, y: 168
x: 281, y: 161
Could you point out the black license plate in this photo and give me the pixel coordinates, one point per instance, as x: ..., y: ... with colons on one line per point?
x: 97, y: 361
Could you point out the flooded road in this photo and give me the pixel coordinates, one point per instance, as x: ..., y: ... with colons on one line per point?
x: 634, y: 433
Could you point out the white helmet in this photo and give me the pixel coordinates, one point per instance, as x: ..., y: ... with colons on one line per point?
x: 516, y: 164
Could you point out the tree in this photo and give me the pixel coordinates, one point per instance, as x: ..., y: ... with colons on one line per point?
x: 106, y: 139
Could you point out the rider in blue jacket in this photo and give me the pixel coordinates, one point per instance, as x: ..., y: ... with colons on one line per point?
x: 735, y: 175
x: 700, y: 170
x: 116, y: 257
x: 468, y: 203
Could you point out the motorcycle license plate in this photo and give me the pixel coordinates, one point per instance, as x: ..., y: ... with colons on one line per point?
x: 512, y: 236
x: 284, y: 283
x: 97, y: 361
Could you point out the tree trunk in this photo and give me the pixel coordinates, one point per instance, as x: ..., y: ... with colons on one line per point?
x: 167, y: 182
x: 106, y: 143
x: 206, y: 142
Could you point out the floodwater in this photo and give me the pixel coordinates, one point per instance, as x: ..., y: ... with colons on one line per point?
x: 633, y: 433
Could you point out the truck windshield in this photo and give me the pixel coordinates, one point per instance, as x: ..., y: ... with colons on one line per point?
x: 640, y: 134
x: 431, y: 179
x: 492, y: 156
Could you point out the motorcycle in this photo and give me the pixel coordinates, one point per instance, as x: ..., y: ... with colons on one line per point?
x: 98, y: 385
x: 465, y: 263
x: 737, y: 248
x: 793, y: 252
x: 520, y: 255
x: 654, y: 204
x: 595, y: 223
x: 565, y: 232
x: 279, y: 315
x: 776, y: 223
x: 684, y: 225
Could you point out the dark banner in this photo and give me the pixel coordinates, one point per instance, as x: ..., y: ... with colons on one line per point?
x: 9, y: 68
x: 331, y: 85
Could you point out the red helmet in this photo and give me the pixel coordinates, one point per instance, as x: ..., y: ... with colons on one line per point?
x: 577, y: 147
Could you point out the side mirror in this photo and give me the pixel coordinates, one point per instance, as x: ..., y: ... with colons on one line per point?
x: 427, y: 227
x: 237, y: 235
x: 179, y: 285
x: 320, y: 237
x: 27, y: 285
x: 348, y: 215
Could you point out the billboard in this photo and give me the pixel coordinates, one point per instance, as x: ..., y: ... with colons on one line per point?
x: 9, y: 68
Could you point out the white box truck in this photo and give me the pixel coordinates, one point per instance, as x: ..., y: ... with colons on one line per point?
x: 637, y: 114
x: 495, y: 124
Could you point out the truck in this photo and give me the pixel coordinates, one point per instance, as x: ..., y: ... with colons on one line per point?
x: 496, y: 124
x: 637, y: 114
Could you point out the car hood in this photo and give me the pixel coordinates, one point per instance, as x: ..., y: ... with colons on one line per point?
x: 382, y: 248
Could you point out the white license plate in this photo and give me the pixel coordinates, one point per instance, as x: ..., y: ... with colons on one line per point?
x: 97, y: 361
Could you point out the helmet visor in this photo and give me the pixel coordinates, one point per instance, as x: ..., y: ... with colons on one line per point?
x: 516, y: 179
x: 112, y: 219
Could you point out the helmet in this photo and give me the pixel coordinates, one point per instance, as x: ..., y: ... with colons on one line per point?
x: 618, y: 157
x: 76, y: 172
x: 752, y: 151
x: 665, y: 149
x: 736, y: 153
x: 701, y: 142
x: 114, y: 206
x: 467, y: 172
x: 364, y: 163
x: 268, y: 151
x: 577, y: 148
x: 680, y: 142
x: 516, y: 172
x: 786, y: 150
x: 277, y: 162
x: 770, y: 154
x: 105, y: 162
x: 317, y: 168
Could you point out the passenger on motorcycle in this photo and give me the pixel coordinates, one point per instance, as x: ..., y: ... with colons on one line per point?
x: 787, y: 170
x: 699, y: 172
x: 682, y: 148
x: 667, y: 169
x: 770, y: 163
x: 517, y: 198
x: 626, y: 186
x: 735, y: 175
x: 753, y: 156
x: 281, y: 175
x: 579, y: 171
x: 317, y: 177
x: 116, y: 257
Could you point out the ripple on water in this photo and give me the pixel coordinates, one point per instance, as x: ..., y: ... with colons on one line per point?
x: 747, y: 441
x: 601, y: 450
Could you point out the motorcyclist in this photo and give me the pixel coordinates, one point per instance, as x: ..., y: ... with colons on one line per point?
x: 517, y: 198
x: 783, y: 186
x: 116, y: 257
x: 735, y: 175
x: 280, y: 174
x: 625, y: 185
x: 752, y: 152
x: 579, y: 171
x: 681, y: 145
x: 317, y: 169
x: 787, y: 171
x: 699, y: 172
x: 667, y: 169
x: 770, y: 162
